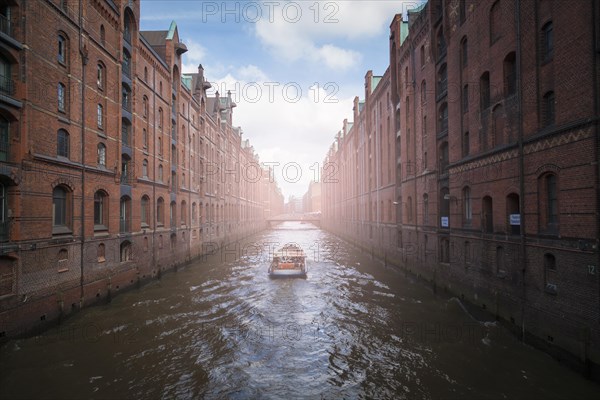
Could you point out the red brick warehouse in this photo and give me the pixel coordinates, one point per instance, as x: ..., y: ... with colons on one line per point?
x: 112, y: 161
x: 495, y: 110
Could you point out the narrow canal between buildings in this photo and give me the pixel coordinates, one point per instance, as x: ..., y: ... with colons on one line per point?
x: 220, y: 328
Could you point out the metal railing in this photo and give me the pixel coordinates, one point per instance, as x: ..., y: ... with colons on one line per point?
x: 5, y: 26
x: 7, y: 85
x: 4, y: 149
x: 4, y: 231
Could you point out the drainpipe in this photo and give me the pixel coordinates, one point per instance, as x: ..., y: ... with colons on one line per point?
x: 84, y: 61
x: 596, y: 51
x: 153, y: 205
x: 521, y: 168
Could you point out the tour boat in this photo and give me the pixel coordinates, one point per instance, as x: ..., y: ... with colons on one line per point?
x: 288, y: 262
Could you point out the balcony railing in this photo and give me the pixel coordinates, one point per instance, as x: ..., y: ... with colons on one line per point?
x: 126, y: 104
x: 126, y: 176
x: 7, y: 85
x: 124, y: 225
x: 5, y: 26
x: 4, y: 149
x: 125, y: 137
x: 126, y: 66
x: 4, y: 231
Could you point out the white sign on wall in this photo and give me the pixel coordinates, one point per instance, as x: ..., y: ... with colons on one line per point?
x: 444, y: 222
x: 515, y: 219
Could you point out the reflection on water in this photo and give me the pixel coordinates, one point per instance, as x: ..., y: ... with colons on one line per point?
x: 220, y: 328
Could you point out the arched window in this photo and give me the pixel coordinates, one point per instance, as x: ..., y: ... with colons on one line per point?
x: 548, y: 203
x: 125, y: 214
x: 547, y: 41
x: 160, y: 173
x: 62, y: 97
x: 498, y: 125
x: 102, y: 35
x: 61, y: 216
x: 468, y: 208
x: 183, y: 213
x: 160, y: 211
x: 100, y: 76
x: 144, y: 138
x: 487, y: 215
x: 441, y: 43
x: 423, y: 92
x: 549, y: 113
x: 513, y: 215
x: 145, y: 210
x: 100, y: 210
x: 128, y: 26
x: 510, y: 74
x: 465, y: 99
x: 145, y: 74
x: 194, y: 213
x: 422, y: 52
x: 4, y: 233
x: 63, y: 145
x: 160, y: 146
x: 409, y: 209
x: 145, y: 106
x: 100, y: 116
x: 160, y: 118
x: 101, y: 253
x: 145, y: 168
x: 484, y: 90
x: 495, y: 22
x: 62, y: 49
x: 126, y: 253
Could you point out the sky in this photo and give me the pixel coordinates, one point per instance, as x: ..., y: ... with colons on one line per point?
x: 293, y: 67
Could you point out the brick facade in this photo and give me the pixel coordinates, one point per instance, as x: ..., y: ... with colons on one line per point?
x: 495, y: 122
x: 114, y: 166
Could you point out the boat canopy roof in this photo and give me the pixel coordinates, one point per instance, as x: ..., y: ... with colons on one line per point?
x: 289, y: 251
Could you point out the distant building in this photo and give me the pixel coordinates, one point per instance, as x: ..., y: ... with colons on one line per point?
x: 311, y: 201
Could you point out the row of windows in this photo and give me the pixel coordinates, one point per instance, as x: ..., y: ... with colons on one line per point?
x: 62, y: 217
x: 547, y: 200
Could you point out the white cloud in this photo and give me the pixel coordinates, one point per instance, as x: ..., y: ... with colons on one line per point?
x: 308, y: 36
x: 195, y: 55
x: 286, y: 129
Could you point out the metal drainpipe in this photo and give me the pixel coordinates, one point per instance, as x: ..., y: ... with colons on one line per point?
x: 414, y: 147
x: 595, y: 51
x: 153, y: 214
x: 84, y: 60
x: 521, y: 167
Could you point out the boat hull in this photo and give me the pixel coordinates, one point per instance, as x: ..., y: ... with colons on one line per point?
x: 287, y: 273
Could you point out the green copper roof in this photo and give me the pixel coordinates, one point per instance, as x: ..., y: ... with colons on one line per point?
x: 187, y: 81
x: 374, y: 82
x: 171, y: 30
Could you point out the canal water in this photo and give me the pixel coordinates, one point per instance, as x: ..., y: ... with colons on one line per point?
x: 220, y: 328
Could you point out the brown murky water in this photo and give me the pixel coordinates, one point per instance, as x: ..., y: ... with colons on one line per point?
x: 220, y: 328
